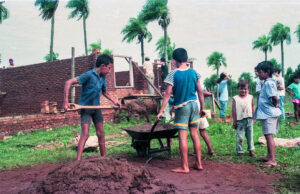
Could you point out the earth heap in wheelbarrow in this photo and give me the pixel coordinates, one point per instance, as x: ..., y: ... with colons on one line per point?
x: 100, y: 175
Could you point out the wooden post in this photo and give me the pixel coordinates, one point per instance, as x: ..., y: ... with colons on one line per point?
x: 213, y: 102
x: 73, y: 75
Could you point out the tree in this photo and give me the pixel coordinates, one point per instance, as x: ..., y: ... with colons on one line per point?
x: 275, y: 63
x: 297, y: 32
x: 95, y: 45
x: 4, y: 13
x: 263, y: 43
x: 211, y: 83
x: 216, y: 60
x: 107, y: 52
x: 158, y: 10
x: 137, y: 29
x: 80, y: 10
x: 55, y: 57
x: 280, y: 33
x: 160, y: 45
x: 48, y: 9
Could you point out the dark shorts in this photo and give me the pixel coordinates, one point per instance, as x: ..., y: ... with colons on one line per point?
x: 187, y: 116
x: 87, y: 114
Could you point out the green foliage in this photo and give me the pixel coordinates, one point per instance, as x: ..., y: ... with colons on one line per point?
x: 275, y: 63
x: 55, y: 56
x: 79, y: 8
x: 161, y: 48
x: 280, y: 33
x: 136, y: 29
x: 95, y: 45
x: 107, y: 52
x: 289, y: 76
x: 47, y: 8
x: 211, y: 82
x: 263, y: 43
x: 297, y: 32
x: 4, y: 13
x: 216, y: 60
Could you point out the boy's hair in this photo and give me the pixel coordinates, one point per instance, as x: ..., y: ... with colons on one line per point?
x: 163, y: 59
x: 242, y: 83
x: 104, y: 59
x: 277, y: 70
x: 297, y: 75
x: 266, y: 66
x: 163, y: 87
x: 222, y: 76
x: 147, y: 59
x: 180, y: 55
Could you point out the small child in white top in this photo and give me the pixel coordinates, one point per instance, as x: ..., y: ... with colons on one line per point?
x: 242, y: 112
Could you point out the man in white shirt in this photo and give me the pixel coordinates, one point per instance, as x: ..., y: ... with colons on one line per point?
x: 148, y: 66
x: 279, y: 80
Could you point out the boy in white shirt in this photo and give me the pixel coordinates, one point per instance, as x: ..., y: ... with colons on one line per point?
x: 242, y: 112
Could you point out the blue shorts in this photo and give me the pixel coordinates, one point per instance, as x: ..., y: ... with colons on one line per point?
x: 187, y: 116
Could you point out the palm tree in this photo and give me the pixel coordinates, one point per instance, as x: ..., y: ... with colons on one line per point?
x: 95, y: 45
x: 275, y: 63
x: 280, y: 33
x: 157, y: 10
x: 263, y: 43
x: 48, y: 8
x: 160, y: 45
x: 4, y: 13
x: 80, y: 10
x: 137, y: 29
x: 55, y: 56
x: 297, y: 32
x: 216, y: 60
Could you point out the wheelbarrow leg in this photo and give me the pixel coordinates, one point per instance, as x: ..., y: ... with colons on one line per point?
x: 169, y: 147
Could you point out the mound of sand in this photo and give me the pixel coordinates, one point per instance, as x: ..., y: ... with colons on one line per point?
x: 100, y: 175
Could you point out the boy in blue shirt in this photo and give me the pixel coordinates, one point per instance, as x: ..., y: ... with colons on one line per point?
x: 222, y: 81
x: 268, y: 110
x: 93, y: 84
x: 183, y: 82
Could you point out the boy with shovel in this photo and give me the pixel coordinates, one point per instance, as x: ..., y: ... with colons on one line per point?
x: 93, y: 84
x: 183, y: 82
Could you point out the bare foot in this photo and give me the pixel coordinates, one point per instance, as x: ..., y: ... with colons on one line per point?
x: 198, y: 167
x: 269, y: 164
x: 264, y: 159
x: 181, y: 170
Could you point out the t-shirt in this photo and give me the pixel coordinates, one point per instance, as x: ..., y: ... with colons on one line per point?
x: 265, y: 108
x: 259, y: 84
x: 92, y: 86
x: 184, y: 85
x: 279, y: 80
x: 295, y: 89
x: 223, y: 90
x: 148, y: 66
x: 243, y: 107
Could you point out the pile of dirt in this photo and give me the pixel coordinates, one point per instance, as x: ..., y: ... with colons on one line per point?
x: 100, y: 175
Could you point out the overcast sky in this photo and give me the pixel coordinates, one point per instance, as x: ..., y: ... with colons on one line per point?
x: 200, y: 26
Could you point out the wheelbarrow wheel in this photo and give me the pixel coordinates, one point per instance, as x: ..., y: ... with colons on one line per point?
x: 140, y: 147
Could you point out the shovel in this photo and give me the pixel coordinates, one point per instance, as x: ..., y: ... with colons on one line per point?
x: 74, y: 107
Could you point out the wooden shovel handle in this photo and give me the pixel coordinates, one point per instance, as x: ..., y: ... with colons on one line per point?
x: 74, y: 106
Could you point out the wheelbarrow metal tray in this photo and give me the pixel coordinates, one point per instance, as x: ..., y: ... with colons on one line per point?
x: 142, y: 132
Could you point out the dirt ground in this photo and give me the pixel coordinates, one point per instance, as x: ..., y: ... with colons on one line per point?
x: 154, y: 177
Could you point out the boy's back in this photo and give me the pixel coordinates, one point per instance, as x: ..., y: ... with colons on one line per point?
x: 184, y: 85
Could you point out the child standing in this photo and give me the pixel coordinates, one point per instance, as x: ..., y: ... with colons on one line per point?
x: 268, y: 110
x: 294, y: 90
x: 279, y: 80
x: 242, y: 112
x: 184, y: 82
x: 222, y: 81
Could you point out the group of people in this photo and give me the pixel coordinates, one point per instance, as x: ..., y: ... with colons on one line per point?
x: 184, y: 84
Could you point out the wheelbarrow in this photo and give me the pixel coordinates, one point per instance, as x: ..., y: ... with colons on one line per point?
x: 143, y: 134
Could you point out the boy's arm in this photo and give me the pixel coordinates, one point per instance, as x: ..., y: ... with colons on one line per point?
x: 275, y: 101
x: 109, y: 97
x: 234, y: 114
x: 68, y: 85
x: 201, y: 98
x: 205, y: 93
x: 227, y: 77
x: 165, y: 101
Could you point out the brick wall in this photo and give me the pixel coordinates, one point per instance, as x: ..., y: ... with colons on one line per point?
x: 26, y: 87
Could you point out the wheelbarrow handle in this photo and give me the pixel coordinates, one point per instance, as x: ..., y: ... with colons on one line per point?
x: 152, y: 129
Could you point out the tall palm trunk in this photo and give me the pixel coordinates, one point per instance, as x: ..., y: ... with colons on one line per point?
x: 84, y: 34
x: 52, y: 38
x: 266, y: 58
x: 282, y: 58
x: 166, y: 48
x: 142, y: 50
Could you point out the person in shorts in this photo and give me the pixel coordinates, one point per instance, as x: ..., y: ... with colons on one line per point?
x: 183, y: 82
x: 93, y: 85
x: 294, y: 90
x: 268, y: 110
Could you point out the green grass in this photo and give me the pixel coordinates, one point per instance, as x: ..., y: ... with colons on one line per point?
x: 20, y: 150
